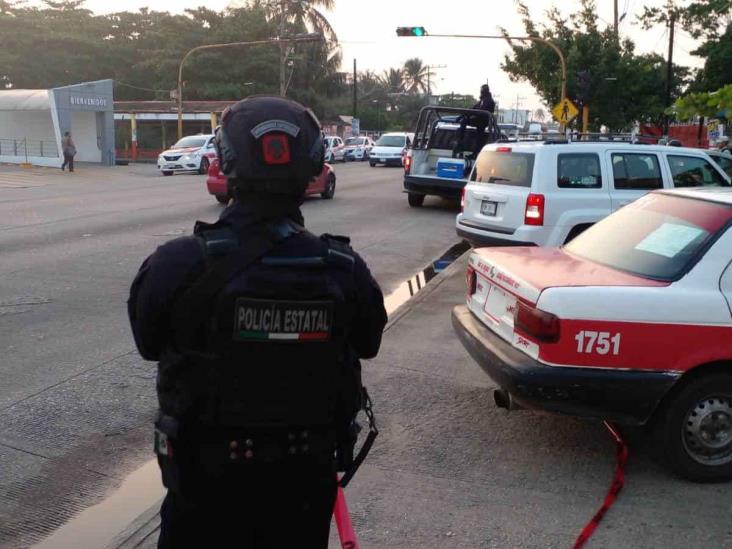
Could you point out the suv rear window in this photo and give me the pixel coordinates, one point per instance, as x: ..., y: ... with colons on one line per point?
x: 658, y: 236
x: 579, y: 171
x: 636, y: 171
x: 504, y: 168
x: 692, y: 171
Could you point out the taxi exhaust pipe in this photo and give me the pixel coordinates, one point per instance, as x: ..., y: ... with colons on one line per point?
x: 503, y: 399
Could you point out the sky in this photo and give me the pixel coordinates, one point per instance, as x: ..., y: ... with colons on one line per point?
x: 366, y: 30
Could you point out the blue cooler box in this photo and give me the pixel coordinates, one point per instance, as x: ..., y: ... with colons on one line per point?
x: 450, y: 168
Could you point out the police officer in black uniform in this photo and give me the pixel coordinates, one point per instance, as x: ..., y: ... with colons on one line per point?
x: 485, y: 103
x: 258, y: 327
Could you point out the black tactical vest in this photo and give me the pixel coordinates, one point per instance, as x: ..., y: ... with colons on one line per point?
x: 269, y: 347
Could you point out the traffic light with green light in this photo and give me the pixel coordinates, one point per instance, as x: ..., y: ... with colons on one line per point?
x: 411, y: 31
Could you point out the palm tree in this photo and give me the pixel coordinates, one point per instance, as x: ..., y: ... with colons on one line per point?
x: 539, y: 114
x: 393, y: 80
x: 416, y: 75
x: 300, y: 14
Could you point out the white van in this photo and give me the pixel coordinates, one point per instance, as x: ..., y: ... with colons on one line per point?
x: 390, y: 149
x: 546, y: 193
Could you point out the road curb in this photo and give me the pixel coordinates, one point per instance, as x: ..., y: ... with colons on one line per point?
x: 404, y: 309
x: 139, y: 530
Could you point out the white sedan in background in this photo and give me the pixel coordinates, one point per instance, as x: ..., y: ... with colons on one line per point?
x: 191, y: 154
x: 358, y: 148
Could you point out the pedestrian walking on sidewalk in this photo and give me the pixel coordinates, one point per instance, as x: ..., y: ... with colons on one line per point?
x: 259, y: 327
x: 69, y: 149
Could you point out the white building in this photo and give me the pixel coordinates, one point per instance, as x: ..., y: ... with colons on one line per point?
x: 32, y: 123
x: 514, y: 116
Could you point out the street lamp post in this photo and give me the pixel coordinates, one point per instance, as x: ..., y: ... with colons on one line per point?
x: 310, y: 37
x: 378, y: 114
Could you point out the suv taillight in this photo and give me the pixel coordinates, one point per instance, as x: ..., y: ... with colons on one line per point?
x: 407, y: 163
x: 462, y: 200
x: 472, y: 281
x: 534, y: 210
x: 536, y: 323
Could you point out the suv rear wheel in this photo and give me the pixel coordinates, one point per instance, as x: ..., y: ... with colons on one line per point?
x: 415, y: 200
x: 695, y: 429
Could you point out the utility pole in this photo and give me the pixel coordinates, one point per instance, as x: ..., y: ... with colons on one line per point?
x: 670, y: 63
x: 283, y: 48
x: 615, y: 2
x: 355, y: 90
x: 429, y: 79
x: 515, y: 116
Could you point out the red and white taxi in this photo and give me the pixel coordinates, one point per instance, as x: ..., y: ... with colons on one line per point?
x: 216, y: 183
x: 629, y: 322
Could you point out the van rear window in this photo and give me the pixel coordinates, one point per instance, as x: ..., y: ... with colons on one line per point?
x: 504, y: 168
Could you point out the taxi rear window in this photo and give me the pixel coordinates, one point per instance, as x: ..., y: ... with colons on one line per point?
x: 504, y: 167
x: 658, y: 236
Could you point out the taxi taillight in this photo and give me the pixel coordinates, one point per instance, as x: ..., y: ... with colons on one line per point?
x: 472, y: 281
x: 536, y: 323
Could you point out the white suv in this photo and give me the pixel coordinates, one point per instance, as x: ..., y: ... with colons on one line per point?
x: 546, y: 193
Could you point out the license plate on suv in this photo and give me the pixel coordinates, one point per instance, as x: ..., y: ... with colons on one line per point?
x: 488, y: 208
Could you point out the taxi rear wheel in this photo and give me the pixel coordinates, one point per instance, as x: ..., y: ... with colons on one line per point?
x: 695, y: 429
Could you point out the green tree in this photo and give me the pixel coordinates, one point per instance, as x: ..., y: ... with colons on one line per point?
x: 709, y: 104
x: 624, y: 88
x: 456, y: 100
x: 709, y: 20
x: 294, y: 16
x: 416, y: 75
x: 393, y: 80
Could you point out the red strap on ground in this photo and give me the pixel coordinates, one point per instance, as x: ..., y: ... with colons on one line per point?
x: 615, y: 487
x: 343, y: 522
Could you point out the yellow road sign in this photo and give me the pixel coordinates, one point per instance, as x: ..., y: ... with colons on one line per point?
x: 565, y: 111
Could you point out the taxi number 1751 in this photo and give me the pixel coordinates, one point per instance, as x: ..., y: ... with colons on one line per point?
x: 600, y: 343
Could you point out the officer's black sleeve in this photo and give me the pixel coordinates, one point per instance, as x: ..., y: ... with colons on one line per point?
x: 153, y: 292
x: 371, y: 315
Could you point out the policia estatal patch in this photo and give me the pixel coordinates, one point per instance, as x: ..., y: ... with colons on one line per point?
x: 264, y: 320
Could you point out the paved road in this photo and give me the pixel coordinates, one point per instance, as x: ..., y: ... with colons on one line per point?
x: 76, y: 400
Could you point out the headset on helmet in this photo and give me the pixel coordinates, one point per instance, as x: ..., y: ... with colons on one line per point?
x: 270, y: 144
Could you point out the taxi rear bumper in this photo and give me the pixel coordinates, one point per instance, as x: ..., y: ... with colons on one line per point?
x: 624, y: 396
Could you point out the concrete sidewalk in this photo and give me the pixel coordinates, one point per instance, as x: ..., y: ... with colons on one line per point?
x: 451, y: 470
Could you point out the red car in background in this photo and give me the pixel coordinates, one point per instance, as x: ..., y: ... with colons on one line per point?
x: 324, y: 184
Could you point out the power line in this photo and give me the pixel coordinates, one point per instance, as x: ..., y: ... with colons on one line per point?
x: 139, y: 87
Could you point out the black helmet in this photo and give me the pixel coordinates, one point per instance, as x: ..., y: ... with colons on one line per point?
x: 485, y: 90
x: 269, y: 144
